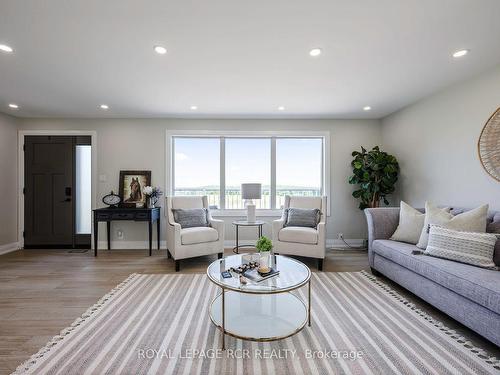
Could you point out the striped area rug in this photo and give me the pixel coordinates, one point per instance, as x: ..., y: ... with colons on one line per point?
x: 159, y: 324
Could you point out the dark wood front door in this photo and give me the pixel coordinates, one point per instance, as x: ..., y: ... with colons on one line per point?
x: 48, y: 211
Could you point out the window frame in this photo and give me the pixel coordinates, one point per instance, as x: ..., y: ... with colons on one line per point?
x: 273, y: 135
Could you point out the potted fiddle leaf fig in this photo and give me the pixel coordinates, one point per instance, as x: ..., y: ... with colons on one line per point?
x: 375, y: 172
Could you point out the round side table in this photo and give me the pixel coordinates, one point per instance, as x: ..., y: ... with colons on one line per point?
x: 243, y: 223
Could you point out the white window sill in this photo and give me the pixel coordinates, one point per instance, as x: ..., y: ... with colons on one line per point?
x: 243, y: 213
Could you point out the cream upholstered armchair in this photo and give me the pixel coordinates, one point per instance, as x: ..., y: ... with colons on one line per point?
x: 302, y: 241
x: 192, y: 242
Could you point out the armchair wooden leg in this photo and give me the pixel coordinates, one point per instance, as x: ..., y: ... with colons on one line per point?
x: 220, y: 255
x: 168, y: 254
x: 320, y: 264
x: 177, y: 265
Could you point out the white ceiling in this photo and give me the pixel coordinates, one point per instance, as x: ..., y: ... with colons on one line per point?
x: 236, y: 58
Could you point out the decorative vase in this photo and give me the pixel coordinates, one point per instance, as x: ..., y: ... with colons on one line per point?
x: 151, y: 202
x: 264, y: 261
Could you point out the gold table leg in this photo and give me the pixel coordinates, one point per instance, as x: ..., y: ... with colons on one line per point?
x: 309, y: 304
x: 223, y: 321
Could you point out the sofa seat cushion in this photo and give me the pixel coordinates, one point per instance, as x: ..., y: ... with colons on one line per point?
x: 190, y: 236
x: 477, y: 284
x: 299, y: 235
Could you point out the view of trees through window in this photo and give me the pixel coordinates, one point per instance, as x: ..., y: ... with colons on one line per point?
x: 298, y: 166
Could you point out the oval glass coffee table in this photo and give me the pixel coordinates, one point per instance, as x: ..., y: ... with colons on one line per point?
x: 260, y: 311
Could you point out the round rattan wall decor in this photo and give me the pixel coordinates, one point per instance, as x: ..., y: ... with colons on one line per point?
x: 489, y: 146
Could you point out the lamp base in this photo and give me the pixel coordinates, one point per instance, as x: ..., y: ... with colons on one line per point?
x: 251, y: 213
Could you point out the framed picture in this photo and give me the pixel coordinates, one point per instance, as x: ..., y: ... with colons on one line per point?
x: 132, y: 183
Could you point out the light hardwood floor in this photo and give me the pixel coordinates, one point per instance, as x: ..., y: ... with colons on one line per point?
x: 44, y: 291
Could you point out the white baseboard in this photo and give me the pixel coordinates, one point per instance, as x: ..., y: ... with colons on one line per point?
x: 9, y: 247
x: 330, y: 243
x: 228, y: 244
x: 127, y: 245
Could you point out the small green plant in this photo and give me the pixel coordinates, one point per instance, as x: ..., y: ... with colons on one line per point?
x: 264, y: 244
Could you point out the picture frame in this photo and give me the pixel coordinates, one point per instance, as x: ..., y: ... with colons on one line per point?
x: 132, y: 183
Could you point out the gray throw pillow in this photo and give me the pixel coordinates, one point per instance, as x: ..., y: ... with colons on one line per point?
x: 302, y: 217
x: 192, y: 217
x: 465, y: 247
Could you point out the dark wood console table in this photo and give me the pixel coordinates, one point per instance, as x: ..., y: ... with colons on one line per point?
x: 149, y: 215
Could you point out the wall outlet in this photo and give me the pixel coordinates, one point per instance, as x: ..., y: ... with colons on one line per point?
x: 119, y: 234
x: 340, y: 236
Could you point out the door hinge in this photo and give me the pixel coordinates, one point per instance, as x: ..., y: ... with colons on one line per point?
x: 24, y: 190
x: 24, y: 234
x: 24, y: 147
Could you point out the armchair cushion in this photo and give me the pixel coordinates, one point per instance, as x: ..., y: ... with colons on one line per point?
x: 302, y: 217
x: 192, y: 217
x: 303, y: 235
x: 190, y: 236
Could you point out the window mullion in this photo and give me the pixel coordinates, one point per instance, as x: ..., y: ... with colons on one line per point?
x: 273, y: 173
x: 222, y: 187
x: 172, y: 165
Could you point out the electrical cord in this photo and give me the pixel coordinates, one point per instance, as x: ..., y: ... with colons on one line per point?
x: 353, y: 247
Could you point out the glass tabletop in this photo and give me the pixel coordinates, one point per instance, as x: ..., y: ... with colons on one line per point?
x: 293, y: 274
x: 248, y: 223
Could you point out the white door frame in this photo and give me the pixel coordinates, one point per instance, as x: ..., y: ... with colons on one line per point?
x: 20, y: 170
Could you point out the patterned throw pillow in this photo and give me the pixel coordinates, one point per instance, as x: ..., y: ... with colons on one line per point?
x: 469, y: 221
x: 192, y: 217
x: 465, y: 247
x: 302, y: 217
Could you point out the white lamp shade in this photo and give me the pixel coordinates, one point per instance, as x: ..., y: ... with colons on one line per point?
x: 251, y: 191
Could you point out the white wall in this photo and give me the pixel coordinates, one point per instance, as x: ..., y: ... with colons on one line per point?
x: 8, y: 186
x: 140, y: 144
x: 435, y: 141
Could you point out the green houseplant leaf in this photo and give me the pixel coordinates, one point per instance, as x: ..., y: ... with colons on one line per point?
x: 264, y: 244
x: 375, y: 172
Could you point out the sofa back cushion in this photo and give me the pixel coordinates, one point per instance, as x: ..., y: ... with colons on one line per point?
x: 188, y: 202
x: 494, y: 227
x: 303, y: 202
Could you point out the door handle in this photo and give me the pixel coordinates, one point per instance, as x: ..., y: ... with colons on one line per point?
x: 66, y: 200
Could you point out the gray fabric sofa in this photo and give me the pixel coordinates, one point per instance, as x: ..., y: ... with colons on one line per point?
x: 470, y: 295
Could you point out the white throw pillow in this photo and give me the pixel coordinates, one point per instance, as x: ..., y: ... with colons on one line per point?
x: 411, y: 222
x: 465, y: 247
x: 470, y: 221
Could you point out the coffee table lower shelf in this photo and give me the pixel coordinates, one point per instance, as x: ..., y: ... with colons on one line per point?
x: 259, y: 317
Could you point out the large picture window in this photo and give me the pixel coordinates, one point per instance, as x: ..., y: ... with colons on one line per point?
x: 216, y: 166
x: 196, y: 164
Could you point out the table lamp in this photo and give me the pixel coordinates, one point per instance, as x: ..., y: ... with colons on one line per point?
x: 249, y: 192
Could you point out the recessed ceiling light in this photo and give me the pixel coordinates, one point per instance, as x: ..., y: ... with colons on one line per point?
x: 367, y: 108
x: 461, y: 53
x: 104, y: 106
x: 160, y: 50
x: 315, y: 52
x: 13, y: 106
x: 6, y: 48
x: 281, y: 108
x: 193, y: 108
